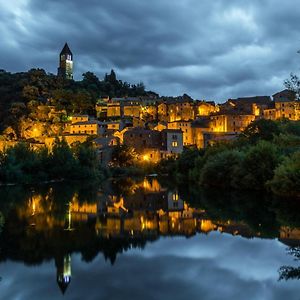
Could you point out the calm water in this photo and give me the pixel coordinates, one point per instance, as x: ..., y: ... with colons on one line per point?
x: 146, y: 240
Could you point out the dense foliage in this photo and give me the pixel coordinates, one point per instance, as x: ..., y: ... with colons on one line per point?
x: 265, y: 157
x: 19, y: 92
x: 21, y: 164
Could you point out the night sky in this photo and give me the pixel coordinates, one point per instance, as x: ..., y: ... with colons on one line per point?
x: 211, y: 50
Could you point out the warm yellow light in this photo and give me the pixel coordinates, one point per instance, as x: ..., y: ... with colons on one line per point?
x: 146, y: 157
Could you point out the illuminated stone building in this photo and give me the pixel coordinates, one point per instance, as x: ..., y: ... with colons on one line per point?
x: 231, y: 122
x: 152, y: 145
x: 147, y: 143
x: 176, y: 110
x: 69, y: 138
x: 65, y: 69
x: 199, y: 127
x: 270, y: 112
x: 205, y: 108
x: 79, y: 118
x: 113, y: 110
x: 101, y: 110
x: 131, y: 110
x: 140, y: 138
x: 90, y: 127
x: 186, y: 128
x: 124, y: 107
x: 108, y: 128
x: 246, y: 105
x: 172, y: 141
x: 104, y: 148
x: 285, y: 95
x: 286, y: 105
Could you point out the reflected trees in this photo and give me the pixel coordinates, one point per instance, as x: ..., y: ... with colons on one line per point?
x: 291, y: 272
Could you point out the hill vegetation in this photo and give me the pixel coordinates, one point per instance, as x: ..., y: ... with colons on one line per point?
x: 21, y: 93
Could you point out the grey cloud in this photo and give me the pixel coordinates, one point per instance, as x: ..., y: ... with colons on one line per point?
x: 208, y: 49
x: 216, y: 266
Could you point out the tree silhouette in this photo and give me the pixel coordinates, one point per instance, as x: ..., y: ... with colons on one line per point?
x: 290, y: 272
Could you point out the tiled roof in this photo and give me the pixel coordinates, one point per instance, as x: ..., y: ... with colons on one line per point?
x: 255, y: 99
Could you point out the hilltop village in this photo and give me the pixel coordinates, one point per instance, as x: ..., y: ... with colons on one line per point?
x: 156, y: 127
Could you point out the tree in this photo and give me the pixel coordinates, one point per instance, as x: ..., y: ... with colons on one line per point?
x: 30, y: 92
x: 187, y: 159
x: 293, y: 84
x: 220, y: 169
x: 63, y: 164
x: 261, y: 130
x: 111, y: 78
x: 286, y: 180
x: 123, y: 156
x: 18, y: 164
x: 289, y: 272
x: 90, y: 78
x: 258, y: 166
x: 88, y: 161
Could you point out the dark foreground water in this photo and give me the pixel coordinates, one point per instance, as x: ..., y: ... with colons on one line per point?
x: 140, y: 240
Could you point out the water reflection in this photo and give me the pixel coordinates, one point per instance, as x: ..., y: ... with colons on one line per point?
x: 291, y: 272
x: 55, y: 222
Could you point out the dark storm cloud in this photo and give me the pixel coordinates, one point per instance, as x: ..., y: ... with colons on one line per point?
x: 208, y: 49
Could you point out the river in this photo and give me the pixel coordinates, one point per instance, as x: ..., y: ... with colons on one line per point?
x: 145, y: 239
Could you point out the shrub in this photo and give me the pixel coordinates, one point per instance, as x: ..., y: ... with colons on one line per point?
x: 286, y: 180
x: 219, y: 170
x: 258, y: 166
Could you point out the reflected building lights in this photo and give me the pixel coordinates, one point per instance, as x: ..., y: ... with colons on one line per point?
x: 147, y: 213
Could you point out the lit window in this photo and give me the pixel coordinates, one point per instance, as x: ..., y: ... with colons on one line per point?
x: 174, y: 144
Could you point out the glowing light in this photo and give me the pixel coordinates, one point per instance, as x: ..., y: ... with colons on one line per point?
x: 146, y: 157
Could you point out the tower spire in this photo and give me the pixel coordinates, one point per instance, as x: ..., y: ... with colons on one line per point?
x: 65, y: 69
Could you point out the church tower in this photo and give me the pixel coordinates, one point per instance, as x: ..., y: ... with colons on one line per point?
x: 63, y: 271
x: 65, y: 69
